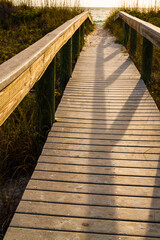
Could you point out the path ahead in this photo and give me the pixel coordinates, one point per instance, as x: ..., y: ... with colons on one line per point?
x: 98, y: 175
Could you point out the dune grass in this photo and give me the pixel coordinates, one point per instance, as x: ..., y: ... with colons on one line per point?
x: 117, y: 29
x: 20, y: 146
x: 21, y: 26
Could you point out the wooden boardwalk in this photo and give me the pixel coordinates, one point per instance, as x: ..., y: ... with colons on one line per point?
x: 98, y: 175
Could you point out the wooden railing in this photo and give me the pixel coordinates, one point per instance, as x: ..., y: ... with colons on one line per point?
x: 151, y: 36
x: 37, y: 63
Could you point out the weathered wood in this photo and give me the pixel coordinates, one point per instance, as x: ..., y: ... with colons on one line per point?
x: 147, y: 58
x: 65, y: 64
x: 82, y: 35
x: 48, y: 167
x: 38, y: 234
x: 95, y: 212
x: 103, y: 190
x: 86, y: 225
x: 126, y: 34
x: 98, y: 142
x: 96, y: 179
x: 99, y: 162
x: 76, y: 46
x: 95, y: 125
x: 20, y: 73
x: 130, y: 199
x: 104, y: 136
x: 133, y: 42
x: 45, y: 99
x: 75, y: 114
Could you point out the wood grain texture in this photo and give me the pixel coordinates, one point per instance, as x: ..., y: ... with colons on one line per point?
x: 98, y: 176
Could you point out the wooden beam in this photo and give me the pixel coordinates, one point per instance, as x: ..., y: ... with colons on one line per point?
x: 147, y: 58
x: 76, y: 45
x: 126, y: 34
x: 45, y: 99
x: 65, y: 64
x: 133, y: 42
x: 81, y: 36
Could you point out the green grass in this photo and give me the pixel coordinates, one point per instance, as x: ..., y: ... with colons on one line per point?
x: 116, y: 28
x: 21, y: 26
x: 20, y: 145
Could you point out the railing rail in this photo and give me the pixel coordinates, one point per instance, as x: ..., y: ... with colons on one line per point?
x: 147, y: 30
x: 151, y: 36
x: 19, y: 74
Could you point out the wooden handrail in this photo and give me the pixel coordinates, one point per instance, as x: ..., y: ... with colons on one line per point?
x: 19, y: 74
x: 151, y: 36
x: 147, y: 30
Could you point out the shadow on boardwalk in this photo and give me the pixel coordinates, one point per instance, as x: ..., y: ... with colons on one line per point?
x: 108, y: 80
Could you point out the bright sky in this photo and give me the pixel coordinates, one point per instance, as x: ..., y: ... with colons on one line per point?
x: 101, y: 3
x: 98, y: 3
x: 118, y: 3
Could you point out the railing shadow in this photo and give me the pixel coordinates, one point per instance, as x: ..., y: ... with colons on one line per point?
x: 119, y: 71
x: 100, y: 74
x: 151, y: 227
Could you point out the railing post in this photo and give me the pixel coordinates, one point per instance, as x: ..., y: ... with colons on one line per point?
x: 126, y: 34
x: 133, y: 42
x: 45, y: 99
x: 82, y: 35
x: 65, y: 64
x: 147, y: 58
x: 76, y: 45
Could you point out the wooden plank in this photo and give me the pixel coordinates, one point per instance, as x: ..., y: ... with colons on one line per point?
x: 77, y: 199
x: 99, y: 162
x: 122, y: 103
x: 111, y: 108
x: 112, y: 131
x: 112, y: 113
x: 126, y: 112
x: 109, y: 142
x: 97, y: 154
x: 111, y: 94
x: 101, y: 155
x: 103, y: 149
x: 38, y: 234
x: 95, y: 125
x: 122, y: 191
x: 106, y: 117
x: 86, y: 225
x: 91, y: 212
x: 62, y: 125
x: 103, y: 136
x: 96, y: 179
x: 97, y: 170
x: 110, y: 122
